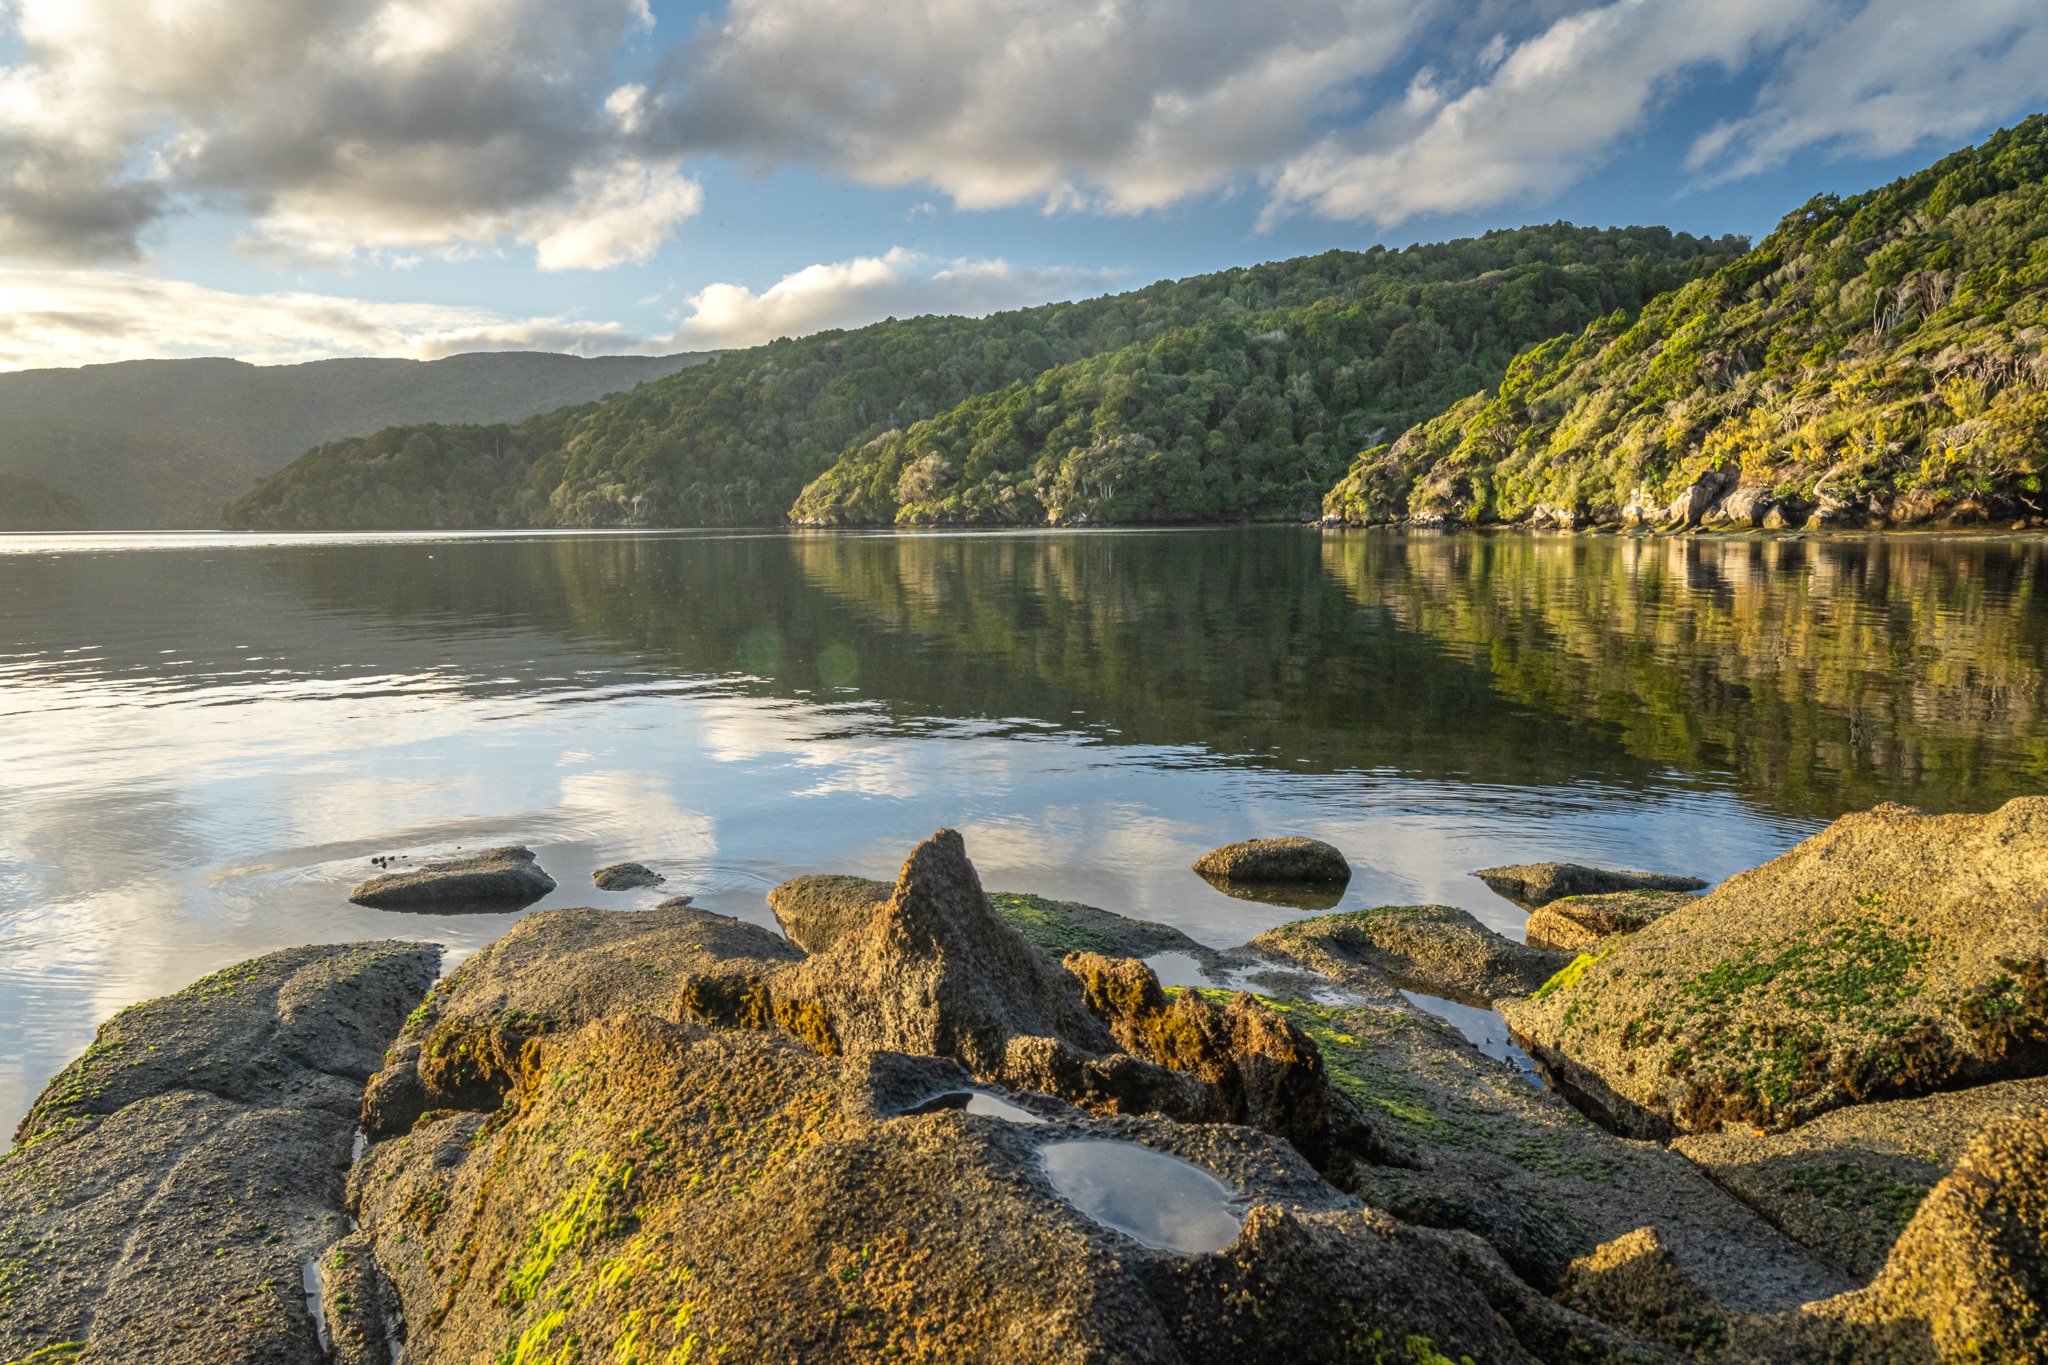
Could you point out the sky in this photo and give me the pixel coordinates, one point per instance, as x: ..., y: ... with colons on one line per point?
x: 287, y: 180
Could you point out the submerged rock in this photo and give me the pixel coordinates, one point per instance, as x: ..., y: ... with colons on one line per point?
x: 1530, y: 885
x: 174, y: 1181
x: 624, y: 877
x: 1847, y: 1183
x: 1438, y: 949
x: 1890, y: 955
x: 495, y: 879
x: 1288, y: 859
x: 1576, y: 923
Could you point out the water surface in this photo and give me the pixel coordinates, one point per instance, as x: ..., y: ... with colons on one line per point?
x: 203, y: 740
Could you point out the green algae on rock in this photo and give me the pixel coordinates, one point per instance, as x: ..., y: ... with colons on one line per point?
x: 666, y: 1188
x: 1485, y: 1153
x: 1890, y: 955
x: 1438, y: 949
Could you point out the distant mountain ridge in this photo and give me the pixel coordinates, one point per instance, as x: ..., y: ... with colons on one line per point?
x: 164, y: 443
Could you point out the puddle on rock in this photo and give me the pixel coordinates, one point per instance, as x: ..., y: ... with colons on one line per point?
x: 1243, y: 972
x: 1486, y: 1030
x: 976, y: 1102
x: 1159, y: 1200
x: 1179, y: 969
x: 310, y: 1280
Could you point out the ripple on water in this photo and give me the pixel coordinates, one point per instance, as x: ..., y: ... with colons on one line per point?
x: 1159, y: 1200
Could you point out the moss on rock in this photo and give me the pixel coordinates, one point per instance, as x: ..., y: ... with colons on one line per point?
x: 1892, y: 954
x: 1438, y: 949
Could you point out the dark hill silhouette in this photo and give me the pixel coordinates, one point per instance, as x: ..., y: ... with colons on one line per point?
x: 163, y: 443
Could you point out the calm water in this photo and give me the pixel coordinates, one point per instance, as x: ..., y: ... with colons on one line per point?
x: 203, y: 740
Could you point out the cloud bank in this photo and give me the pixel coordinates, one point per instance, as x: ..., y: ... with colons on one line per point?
x: 359, y: 129
x: 851, y: 293
x: 89, y: 317
x: 343, y: 129
x: 340, y: 126
x: 55, y: 317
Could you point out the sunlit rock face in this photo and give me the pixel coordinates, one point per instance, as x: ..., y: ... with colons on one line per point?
x: 1890, y: 955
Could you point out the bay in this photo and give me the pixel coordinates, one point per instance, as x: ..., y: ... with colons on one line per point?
x: 204, y: 739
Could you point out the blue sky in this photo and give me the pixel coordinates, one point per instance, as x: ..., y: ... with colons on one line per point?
x: 287, y: 179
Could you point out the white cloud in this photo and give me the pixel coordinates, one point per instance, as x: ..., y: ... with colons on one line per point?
x: 86, y: 317
x: 406, y: 129
x: 1870, y: 79
x: 1896, y: 74
x: 1553, y: 107
x: 850, y: 293
x: 1113, y: 103
x: 339, y: 127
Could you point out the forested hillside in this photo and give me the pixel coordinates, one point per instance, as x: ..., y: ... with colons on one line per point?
x: 736, y: 440
x: 1250, y: 414
x: 30, y: 505
x: 1877, y: 359
x: 162, y: 443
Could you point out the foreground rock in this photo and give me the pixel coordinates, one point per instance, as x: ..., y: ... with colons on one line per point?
x: 1890, y: 955
x: 1973, y: 1263
x: 670, y: 1135
x: 498, y: 878
x: 552, y: 971
x: 170, y: 1184
x: 816, y: 912
x: 1487, y: 1152
x: 743, y: 1174
x: 668, y: 1191
x: 1575, y: 924
x: 1967, y: 1281
x: 1530, y: 885
x: 1288, y: 859
x: 1847, y: 1183
x: 625, y: 877
x: 1438, y: 949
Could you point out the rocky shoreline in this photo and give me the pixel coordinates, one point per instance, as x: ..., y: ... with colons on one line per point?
x: 927, y: 1122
